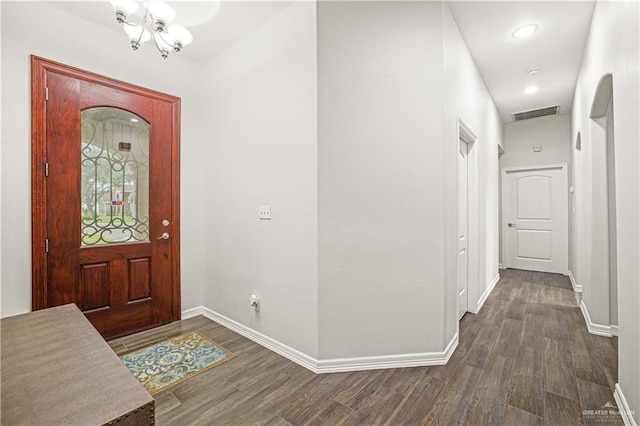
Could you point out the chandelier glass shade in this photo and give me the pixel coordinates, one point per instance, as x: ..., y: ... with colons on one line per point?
x: 154, y: 24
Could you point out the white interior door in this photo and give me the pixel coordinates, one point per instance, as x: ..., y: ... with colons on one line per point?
x: 463, y: 240
x: 535, y: 215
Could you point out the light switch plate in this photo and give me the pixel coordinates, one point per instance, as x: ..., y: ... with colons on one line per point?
x: 264, y: 212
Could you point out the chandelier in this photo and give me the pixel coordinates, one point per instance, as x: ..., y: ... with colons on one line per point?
x: 155, y: 20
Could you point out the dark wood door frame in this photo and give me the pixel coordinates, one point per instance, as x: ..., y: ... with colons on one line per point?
x: 39, y: 69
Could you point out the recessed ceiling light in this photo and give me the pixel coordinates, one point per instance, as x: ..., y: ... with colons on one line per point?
x: 524, y: 31
x: 134, y: 120
x: 533, y: 71
x: 530, y: 90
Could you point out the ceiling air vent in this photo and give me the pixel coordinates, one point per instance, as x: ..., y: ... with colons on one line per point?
x: 535, y: 113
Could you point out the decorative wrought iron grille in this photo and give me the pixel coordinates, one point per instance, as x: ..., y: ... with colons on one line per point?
x: 115, y: 177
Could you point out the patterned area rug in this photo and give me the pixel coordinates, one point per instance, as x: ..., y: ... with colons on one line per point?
x: 170, y: 362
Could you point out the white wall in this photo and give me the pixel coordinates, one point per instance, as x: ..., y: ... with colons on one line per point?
x: 552, y: 132
x: 1, y: 210
x: 612, y: 48
x: 44, y: 30
x: 260, y: 148
x: 380, y: 198
x: 389, y: 96
x: 577, y: 169
x: 467, y: 98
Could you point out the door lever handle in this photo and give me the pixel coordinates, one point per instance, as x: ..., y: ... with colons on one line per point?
x: 164, y: 236
x: 511, y: 225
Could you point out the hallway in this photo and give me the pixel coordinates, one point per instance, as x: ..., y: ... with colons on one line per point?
x: 526, y: 358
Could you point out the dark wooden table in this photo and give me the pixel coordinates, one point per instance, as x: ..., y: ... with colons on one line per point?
x: 57, y: 370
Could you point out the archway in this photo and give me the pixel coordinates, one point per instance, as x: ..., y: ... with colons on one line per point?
x: 604, y: 291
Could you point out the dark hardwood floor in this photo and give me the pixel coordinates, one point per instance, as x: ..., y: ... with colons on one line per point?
x: 526, y: 358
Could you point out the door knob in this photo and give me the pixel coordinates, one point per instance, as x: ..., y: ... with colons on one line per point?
x: 511, y: 225
x: 164, y: 236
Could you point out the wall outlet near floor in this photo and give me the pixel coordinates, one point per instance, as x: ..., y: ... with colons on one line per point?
x: 255, y: 302
x: 264, y: 212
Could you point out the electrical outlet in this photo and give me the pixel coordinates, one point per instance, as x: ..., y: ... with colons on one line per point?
x: 264, y: 212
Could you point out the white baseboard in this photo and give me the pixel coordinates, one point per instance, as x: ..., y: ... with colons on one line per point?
x: 339, y: 365
x: 193, y: 312
x: 328, y: 365
x: 597, y: 329
x: 614, y: 330
x: 576, y: 287
x: 623, y: 407
x: 500, y: 266
x: 487, y: 292
x: 278, y: 347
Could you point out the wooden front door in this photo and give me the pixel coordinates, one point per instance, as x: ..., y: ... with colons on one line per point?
x: 105, y: 198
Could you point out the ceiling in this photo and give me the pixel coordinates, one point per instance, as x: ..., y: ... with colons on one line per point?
x: 212, y: 34
x: 556, y: 48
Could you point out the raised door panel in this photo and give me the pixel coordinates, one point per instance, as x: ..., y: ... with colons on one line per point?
x: 534, y: 197
x: 94, y: 287
x: 534, y: 244
x: 139, y: 276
